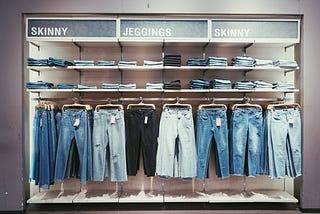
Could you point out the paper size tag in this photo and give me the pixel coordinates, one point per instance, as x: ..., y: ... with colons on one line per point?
x: 76, y: 122
x: 146, y: 120
x: 41, y: 122
x: 290, y: 120
x: 218, y: 121
x: 112, y: 120
x: 179, y: 114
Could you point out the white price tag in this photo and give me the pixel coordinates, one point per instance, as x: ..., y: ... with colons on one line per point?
x: 76, y: 122
x: 112, y: 120
x: 290, y: 120
x: 218, y: 121
x: 146, y: 120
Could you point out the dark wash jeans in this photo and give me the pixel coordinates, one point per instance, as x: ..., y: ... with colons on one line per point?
x: 141, y: 132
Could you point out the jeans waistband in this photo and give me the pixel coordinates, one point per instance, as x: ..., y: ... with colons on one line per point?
x: 141, y: 112
x: 108, y: 111
x: 74, y: 113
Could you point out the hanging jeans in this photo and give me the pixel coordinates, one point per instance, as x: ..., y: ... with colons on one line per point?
x: 246, y: 137
x: 75, y: 130
x: 142, y: 132
x: 284, y: 142
x: 212, y: 124
x: 176, y: 155
x: 43, y: 148
x: 109, y: 132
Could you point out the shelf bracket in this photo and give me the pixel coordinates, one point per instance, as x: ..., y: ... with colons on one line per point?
x: 288, y: 46
x: 121, y: 50
x: 80, y: 49
x: 204, y: 50
x: 246, y: 47
x: 245, y: 73
x: 36, y: 45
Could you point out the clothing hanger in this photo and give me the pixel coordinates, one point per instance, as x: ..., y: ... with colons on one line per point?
x: 212, y: 105
x: 177, y: 104
x: 109, y: 105
x: 246, y: 104
x: 141, y: 104
x: 76, y: 105
x: 285, y: 105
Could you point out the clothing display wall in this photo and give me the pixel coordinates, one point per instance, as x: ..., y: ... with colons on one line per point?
x: 176, y: 147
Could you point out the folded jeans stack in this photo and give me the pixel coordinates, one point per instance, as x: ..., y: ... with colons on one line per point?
x: 173, y: 85
x: 106, y: 63
x: 37, y: 62
x: 83, y: 62
x: 286, y: 63
x: 220, y: 84
x: 217, y: 61
x: 110, y: 86
x: 152, y: 63
x: 128, y: 86
x: 196, y: 62
x: 39, y: 85
x: 172, y: 60
x: 243, y: 61
x: 66, y: 86
x: 127, y: 63
x: 58, y: 62
x: 199, y: 84
x: 244, y: 85
x: 263, y: 62
x: 259, y: 84
x: 87, y: 87
x: 283, y: 85
x: 154, y: 85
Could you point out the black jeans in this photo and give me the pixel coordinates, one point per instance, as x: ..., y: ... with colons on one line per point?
x: 141, y: 131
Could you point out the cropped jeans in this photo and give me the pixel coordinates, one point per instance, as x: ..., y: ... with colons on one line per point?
x: 212, y: 125
x: 246, y: 138
x: 284, y: 142
x: 75, y: 130
x: 142, y: 132
x: 176, y: 156
x: 109, y: 132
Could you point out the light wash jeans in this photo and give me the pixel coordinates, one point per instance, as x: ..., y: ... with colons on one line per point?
x: 75, y: 125
x: 246, y: 138
x: 109, y: 130
x: 284, y: 142
x: 176, y: 155
x: 212, y: 123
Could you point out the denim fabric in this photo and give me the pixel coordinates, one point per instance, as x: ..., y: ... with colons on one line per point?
x: 128, y: 86
x: 262, y: 84
x: 106, y: 63
x: 283, y: 85
x: 220, y: 84
x: 196, y: 62
x: 87, y: 87
x: 76, y: 124
x: 244, y: 85
x: 283, y: 63
x: 243, y: 61
x: 58, y: 62
x: 263, y: 62
x: 109, y: 132
x: 152, y: 63
x: 199, y: 84
x: 43, y: 148
x: 39, y: 85
x: 246, y: 136
x: 37, y: 62
x: 110, y: 86
x: 217, y: 61
x: 172, y: 60
x: 176, y: 156
x: 284, y: 142
x: 173, y: 85
x: 83, y: 62
x: 154, y: 85
x: 142, y: 133
x: 212, y: 125
x: 127, y: 63
x: 66, y: 86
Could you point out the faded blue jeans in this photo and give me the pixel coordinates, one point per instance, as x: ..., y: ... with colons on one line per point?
x: 75, y: 125
x: 284, y: 142
x: 109, y: 130
x: 246, y: 138
x: 176, y: 155
x: 212, y: 124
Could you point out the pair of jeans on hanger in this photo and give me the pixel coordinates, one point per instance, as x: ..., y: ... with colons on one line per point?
x: 142, y: 133
x: 109, y: 142
x: 176, y: 156
x: 75, y: 141
x: 212, y: 126
x: 283, y: 133
x: 246, y: 138
x: 43, y: 147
